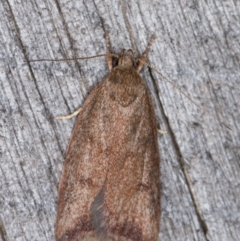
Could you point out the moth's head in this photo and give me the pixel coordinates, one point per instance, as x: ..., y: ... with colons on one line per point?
x: 126, y: 59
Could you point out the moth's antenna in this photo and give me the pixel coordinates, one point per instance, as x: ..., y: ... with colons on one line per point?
x: 176, y: 87
x: 143, y: 58
x: 109, y: 55
x: 70, y: 59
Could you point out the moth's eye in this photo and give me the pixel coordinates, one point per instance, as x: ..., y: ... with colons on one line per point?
x: 115, y: 61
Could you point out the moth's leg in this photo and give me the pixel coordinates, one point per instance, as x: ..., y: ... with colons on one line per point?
x: 143, y: 58
x: 162, y: 131
x: 65, y: 117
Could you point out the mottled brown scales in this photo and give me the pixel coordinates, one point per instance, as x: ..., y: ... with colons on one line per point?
x: 110, y: 187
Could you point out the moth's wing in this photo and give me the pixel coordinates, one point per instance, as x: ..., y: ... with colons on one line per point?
x: 83, y: 175
x: 109, y: 188
x: 128, y: 205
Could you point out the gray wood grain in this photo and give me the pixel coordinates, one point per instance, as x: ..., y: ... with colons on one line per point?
x: 197, y: 48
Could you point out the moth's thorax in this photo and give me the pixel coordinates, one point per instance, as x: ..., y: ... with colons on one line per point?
x: 124, y: 82
x: 124, y: 85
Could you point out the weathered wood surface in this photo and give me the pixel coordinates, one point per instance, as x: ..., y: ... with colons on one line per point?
x: 197, y: 48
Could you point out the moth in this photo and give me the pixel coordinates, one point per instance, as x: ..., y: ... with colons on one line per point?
x: 110, y: 184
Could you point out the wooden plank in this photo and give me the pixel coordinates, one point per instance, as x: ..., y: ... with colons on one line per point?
x: 197, y: 48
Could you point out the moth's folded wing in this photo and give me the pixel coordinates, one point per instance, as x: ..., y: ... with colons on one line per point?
x: 83, y: 173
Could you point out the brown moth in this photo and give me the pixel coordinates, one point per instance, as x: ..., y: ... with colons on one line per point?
x: 110, y: 184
